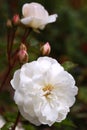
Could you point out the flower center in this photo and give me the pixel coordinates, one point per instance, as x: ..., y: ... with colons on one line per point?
x: 47, y: 90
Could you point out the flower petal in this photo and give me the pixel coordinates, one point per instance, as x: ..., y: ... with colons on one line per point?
x: 34, y: 22
x: 18, y: 97
x: 33, y: 120
x: 52, y: 18
x: 16, y: 79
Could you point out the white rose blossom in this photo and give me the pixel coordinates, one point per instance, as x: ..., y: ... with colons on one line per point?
x: 44, y: 91
x: 36, y: 16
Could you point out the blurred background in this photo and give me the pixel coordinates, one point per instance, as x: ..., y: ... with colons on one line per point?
x: 68, y: 39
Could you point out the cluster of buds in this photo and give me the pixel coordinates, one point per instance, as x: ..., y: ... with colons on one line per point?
x: 45, y: 49
x: 22, y: 54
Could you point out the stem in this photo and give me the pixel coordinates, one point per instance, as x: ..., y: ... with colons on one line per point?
x: 12, y: 39
x: 10, y: 67
x: 8, y: 39
x: 5, y: 79
x: 11, y: 45
x: 27, y: 32
x: 16, y: 122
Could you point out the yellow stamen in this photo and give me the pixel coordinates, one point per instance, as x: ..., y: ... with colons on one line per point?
x: 47, y: 89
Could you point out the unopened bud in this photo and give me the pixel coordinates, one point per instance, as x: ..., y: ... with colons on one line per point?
x: 16, y: 19
x: 9, y: 23
x: 23, y: 47
x: 45, y: 49
x: 22, y: 54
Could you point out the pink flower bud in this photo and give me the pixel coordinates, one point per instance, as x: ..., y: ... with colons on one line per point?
x: 16, y: 19
x: 22, y: 54
x: 45, y: 49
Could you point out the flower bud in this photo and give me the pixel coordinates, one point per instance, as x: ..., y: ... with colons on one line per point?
x: 22, y: 54
x: 23, y: 47
x: 16, y: 19
x: 9, y: 23
x: 45, y: 49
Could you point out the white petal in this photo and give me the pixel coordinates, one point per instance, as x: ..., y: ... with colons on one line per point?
x: 52, y: 18
x: 42, y: 26
x: 26, y: 88
x: 26, y: 20
x: 39, y: 104
x: 45, y: 110
x: 49, y: 113
x: 30, y: 69
x: 34, y: 22
x: 44, y: 64
x: 53, y: 73
x: 28, y: 106
x: 19, y: 98
x: 16, y: 79
x: 39, y: 82
x: 62, y: 114
x: 25, y: 10
x: 35, y: 10
x: 48, y: 59
x: 33, y: 120
x: 64, y: 79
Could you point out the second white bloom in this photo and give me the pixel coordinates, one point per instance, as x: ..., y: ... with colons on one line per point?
x: 44, y: 92
x: 35, y: 16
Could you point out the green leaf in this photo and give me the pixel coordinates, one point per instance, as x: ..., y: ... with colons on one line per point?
x: 68, y: 65
x: 83, y: 94
x: 29, y: 127
x: 7, y: 126
x: 10, y: 116
x: 66, y: 122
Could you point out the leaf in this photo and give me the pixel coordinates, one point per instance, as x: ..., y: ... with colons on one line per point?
x: 83, y: 94
x: 69, y: 65
x: 66, y: 122
x: 29, y: 127
x: 10, y: 116
x: 7, y: 126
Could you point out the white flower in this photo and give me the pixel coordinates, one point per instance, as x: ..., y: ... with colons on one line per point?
x: 44, y: 92
x: 2, y: 121
x: 36, y: 16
